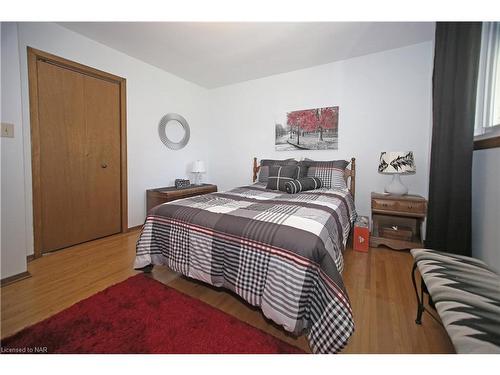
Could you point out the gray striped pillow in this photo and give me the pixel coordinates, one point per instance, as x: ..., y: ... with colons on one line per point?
x: 279, y: 176
x: 266, y: 163
x: 331, y: 173
x: 303, y: 184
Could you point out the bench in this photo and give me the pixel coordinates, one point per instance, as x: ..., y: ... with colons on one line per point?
x: 466, y: 295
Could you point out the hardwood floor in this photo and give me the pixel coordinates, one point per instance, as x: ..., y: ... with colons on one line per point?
x: 378, y: 283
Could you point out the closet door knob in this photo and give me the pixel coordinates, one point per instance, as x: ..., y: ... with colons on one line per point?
x: 104, y: 165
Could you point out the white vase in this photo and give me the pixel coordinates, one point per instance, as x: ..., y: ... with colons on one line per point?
x: 396, y: 187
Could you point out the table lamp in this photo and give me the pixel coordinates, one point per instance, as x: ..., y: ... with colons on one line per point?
x: 396, y: 163
x: 198, y: 169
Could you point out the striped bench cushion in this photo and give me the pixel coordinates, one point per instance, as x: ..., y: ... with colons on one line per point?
x: 466, y: 293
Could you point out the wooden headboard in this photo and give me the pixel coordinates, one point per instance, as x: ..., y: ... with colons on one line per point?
x: 349, y: 175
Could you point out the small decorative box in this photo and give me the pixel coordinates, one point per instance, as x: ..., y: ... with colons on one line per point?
x: 180, y: 183
x: 397, y: 233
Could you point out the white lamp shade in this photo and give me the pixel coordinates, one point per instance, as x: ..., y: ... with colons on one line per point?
x: 198, y: 167
x: 397, y: 162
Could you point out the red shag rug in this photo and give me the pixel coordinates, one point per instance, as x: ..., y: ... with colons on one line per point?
x: 142, y: 315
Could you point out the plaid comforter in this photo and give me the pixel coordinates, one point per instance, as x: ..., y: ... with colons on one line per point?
x: 280, y: 252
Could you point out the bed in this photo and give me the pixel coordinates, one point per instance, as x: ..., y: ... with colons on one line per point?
x: 280, y: 252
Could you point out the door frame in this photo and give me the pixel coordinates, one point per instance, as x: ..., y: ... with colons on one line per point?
x: 34, y: 56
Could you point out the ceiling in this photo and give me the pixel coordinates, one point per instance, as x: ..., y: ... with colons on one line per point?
x: 213, y: 54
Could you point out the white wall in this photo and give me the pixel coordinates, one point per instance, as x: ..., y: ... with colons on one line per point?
x: 385, y: 105
x: 13, y: 226
x: 384, y: 100
x: 151, y: 93
x: 486, y: 206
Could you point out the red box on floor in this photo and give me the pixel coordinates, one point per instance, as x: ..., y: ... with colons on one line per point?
x: 361, y: 240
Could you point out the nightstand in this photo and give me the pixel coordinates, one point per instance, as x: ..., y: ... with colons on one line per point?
x: 397, y: 220
x: 154, y: 197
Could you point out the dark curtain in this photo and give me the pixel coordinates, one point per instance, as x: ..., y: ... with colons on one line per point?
x: 456, y: 62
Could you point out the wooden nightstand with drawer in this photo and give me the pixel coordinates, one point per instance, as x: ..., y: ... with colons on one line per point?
x: 397, y: 220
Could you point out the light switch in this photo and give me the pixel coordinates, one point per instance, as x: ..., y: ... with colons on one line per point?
x: 7, y: 130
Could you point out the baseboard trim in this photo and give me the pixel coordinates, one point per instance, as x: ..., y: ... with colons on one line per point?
x: 137, y: 227
x: 14, y: 278
x: 31, y: 257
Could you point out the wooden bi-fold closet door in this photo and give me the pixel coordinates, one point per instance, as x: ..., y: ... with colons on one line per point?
x: 79, y: 156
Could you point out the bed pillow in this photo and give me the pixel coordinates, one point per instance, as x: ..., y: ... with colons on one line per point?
x: 331, y: 173
x: 280, y: 175
x: 266, y: 163
x: 341, y: 164
x: 303, y: 184
x: 301, y: 170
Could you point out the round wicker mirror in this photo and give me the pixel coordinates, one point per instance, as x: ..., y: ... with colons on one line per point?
x: 172, y: 123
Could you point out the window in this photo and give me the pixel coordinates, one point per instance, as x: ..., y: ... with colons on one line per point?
x: 487, y: 123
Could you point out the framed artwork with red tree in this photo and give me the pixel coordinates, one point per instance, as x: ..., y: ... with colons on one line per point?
x: 308, y: 129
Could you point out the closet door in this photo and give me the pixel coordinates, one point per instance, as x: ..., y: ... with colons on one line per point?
x: 79, y: 156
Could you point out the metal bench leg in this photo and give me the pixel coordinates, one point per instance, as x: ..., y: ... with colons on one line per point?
x: 420, y: 299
